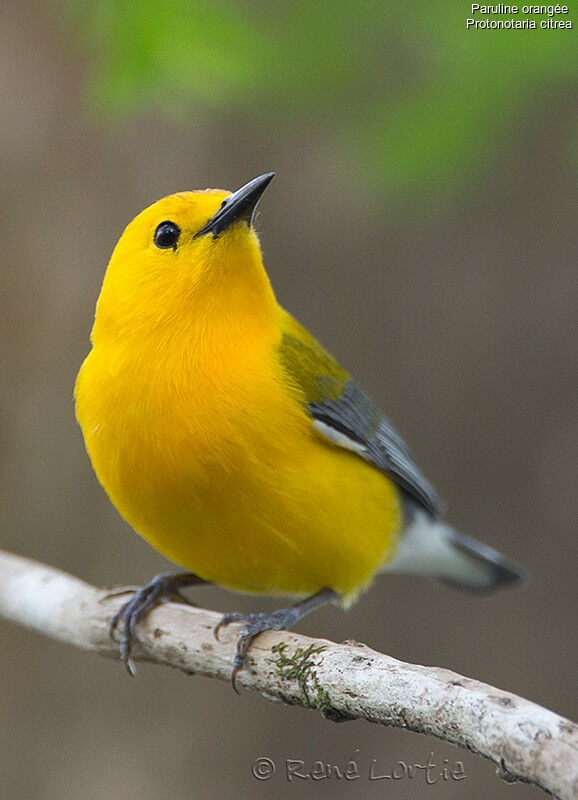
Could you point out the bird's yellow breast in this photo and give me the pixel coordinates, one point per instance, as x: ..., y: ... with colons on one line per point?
x: 216, y: 464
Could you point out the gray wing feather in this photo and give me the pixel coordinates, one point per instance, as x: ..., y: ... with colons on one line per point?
x: 354, y: 415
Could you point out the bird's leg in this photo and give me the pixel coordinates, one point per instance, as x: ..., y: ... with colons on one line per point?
x: 281, y: 619
x: 163, y: 587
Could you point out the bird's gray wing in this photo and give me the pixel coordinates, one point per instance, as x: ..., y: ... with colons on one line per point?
x: 346, y: 416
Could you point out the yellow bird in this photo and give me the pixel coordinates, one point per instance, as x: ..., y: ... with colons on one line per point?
x: 234, y: 443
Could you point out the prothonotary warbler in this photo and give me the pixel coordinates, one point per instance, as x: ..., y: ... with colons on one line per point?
x: 235, y: 444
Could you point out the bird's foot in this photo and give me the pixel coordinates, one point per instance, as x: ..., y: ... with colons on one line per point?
x: 161, y: 589
x: 278, y: 620
x: 281, y: 619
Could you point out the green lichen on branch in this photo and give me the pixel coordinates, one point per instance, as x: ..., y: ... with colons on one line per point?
x: 301, y: 667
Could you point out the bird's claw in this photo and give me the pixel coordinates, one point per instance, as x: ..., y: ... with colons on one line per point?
x: 118, y: 591
x: 226, y: 619
x: 254, y: 624
x: 161, y: 589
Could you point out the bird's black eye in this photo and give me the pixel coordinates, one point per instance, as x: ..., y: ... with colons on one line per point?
x: 167, y: 235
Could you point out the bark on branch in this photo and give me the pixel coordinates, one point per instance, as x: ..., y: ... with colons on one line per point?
x: 344, y: 681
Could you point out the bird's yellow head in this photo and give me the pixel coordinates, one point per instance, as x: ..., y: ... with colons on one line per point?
x: 189, y: 262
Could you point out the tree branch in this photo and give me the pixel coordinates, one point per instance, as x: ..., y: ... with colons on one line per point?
x: 344, y: 681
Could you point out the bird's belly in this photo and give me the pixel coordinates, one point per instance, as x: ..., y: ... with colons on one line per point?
x: 322, y: 517
x: 260, y: 505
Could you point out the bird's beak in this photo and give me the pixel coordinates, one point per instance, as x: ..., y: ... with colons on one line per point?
x: 241, y: 205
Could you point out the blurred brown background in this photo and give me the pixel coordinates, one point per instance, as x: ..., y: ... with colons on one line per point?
x: 458, y: 317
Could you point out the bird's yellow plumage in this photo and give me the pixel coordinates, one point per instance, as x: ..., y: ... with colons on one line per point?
x: 233, y: 442
x: 196, y: 432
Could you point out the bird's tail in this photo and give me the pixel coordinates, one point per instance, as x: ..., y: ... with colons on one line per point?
x: 431, y: 547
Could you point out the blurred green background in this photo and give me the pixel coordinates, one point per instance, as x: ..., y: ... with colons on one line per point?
x: 422, y: 224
